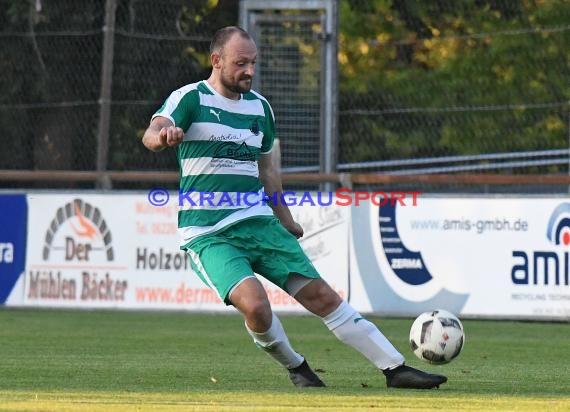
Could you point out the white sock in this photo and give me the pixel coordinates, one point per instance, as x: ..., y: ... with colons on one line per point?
x: 275, y: 343
x: 351, y: 328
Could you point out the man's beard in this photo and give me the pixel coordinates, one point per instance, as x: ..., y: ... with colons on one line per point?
x: 237, y: 87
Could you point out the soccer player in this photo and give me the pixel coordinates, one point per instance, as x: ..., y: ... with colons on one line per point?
x: 223, y: 132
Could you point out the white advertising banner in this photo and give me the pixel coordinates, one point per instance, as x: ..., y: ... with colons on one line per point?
x: 120, y: 251
x: 473, y: 256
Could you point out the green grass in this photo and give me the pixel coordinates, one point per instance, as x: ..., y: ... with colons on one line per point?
x: 103, y: 360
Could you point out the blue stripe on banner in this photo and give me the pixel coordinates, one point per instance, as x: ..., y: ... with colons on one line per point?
x: 13, y: 224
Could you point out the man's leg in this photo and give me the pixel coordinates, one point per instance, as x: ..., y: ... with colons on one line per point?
x: 351, y: 328
x: 264, y: 327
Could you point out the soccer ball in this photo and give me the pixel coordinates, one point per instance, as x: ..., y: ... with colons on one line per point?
x: 437, y: 337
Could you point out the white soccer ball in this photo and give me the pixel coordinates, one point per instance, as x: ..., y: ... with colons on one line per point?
x: 437, y: 337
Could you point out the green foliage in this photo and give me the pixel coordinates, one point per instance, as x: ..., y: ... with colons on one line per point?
x: 417, y: 78
x: 480, y: 76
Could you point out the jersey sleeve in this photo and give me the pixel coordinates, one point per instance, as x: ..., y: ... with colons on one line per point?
x: 269, y: 129
x: 180, y: 108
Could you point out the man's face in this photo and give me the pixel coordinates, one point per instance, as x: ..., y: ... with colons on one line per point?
x: 238, y: 64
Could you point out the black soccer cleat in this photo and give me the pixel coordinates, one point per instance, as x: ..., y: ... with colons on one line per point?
x: 303, y: 377
x: 407, y: 377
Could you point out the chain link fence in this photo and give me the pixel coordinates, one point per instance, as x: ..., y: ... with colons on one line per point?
x: 290, y: 77
x: 424, y: 87
x: 455, y: 86
x: 50, y: 84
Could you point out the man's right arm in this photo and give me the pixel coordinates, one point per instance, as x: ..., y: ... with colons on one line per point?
x: 162, y: 134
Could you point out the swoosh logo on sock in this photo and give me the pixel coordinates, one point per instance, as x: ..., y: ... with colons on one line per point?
x: 358, y: 320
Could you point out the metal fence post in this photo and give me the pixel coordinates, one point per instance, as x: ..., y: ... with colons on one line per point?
x: 103, y: 182
x: 329, y: 155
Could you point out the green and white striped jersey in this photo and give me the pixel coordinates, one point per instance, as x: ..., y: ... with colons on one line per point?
x: 218, y: 158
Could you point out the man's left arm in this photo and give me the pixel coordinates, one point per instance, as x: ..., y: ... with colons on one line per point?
x: 271, y: 180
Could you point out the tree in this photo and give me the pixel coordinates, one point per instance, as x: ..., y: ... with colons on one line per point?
x: 461, y: 77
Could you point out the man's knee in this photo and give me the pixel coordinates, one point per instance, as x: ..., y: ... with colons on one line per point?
x: 257, y: 314
x: 319, y: 297
x: 258, y: 308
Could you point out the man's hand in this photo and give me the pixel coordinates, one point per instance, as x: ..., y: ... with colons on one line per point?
x: 171, y: 136
x: 295, y: 229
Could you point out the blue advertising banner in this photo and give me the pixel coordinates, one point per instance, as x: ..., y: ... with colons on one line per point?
x: 13, y: 221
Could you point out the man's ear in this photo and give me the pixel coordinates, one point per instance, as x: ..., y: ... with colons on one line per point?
x: 216, y: 60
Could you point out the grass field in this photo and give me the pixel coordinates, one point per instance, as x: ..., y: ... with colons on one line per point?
x: 127, y: 361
